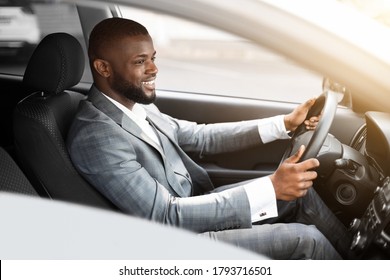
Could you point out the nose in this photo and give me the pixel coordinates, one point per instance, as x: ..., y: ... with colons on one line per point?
x: 151, y: 68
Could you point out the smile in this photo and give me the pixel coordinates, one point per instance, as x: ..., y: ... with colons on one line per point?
x: 148, y: 82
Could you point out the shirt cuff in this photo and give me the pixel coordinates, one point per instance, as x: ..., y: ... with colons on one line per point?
x: 262, y: 199
x: 272, y: 128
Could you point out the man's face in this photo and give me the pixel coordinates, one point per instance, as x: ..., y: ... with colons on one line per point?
x: 133, y: 70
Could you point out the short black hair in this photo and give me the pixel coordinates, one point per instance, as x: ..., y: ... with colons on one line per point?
x: 110, y: 30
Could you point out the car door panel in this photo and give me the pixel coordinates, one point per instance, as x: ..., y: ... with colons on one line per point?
x: 246, y: 164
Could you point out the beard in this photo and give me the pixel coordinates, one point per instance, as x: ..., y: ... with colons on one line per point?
x: 131, y: 91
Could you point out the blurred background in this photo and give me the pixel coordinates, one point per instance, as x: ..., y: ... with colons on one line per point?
x: 206, y: 59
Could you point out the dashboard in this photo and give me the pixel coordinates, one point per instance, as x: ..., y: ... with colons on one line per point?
x: 372, y: 229
x: 355, y: 184
x: 378, y: 141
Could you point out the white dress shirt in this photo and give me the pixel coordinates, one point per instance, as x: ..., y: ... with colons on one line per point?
x: 260, y: 192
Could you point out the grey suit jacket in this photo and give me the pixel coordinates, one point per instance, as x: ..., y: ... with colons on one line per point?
x: 160, y: 183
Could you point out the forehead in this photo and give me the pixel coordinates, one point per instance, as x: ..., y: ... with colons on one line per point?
x: 135, y: 45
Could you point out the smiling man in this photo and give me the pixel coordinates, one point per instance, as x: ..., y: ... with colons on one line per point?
x: 136, y: 156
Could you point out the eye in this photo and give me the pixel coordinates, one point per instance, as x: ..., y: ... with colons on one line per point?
x: 153, y: 58
x: 140, y: 61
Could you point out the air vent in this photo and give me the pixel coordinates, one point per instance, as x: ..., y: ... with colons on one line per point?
x: 359, y: 139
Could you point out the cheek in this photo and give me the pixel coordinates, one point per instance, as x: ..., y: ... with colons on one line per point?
x: 133, y: 75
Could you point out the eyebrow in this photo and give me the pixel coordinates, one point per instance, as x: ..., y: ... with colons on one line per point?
x: 144, y: 55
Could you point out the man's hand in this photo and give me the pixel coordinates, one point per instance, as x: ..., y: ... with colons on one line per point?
x: 296, y: 117
x: 292, y: 179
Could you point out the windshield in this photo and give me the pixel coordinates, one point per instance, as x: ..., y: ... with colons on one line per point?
x: 376, y: 9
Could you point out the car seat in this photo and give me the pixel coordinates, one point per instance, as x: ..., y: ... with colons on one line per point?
x: 42, y: 119
x: 12, y: 178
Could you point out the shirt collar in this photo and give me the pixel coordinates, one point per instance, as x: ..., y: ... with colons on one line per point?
x: 138, y: 113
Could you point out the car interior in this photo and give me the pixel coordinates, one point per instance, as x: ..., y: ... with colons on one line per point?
x: 42, y: 119
x: 37, y: 109
x: 12, y: 178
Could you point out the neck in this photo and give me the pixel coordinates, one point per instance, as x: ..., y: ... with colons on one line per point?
x: 129, y: 104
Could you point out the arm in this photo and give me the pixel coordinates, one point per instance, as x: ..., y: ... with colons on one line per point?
x: 216, y: 138
x: 115, y: 164
x: 234, y: 136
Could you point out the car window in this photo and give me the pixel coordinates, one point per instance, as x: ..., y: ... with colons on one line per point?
x: 24, y: 23
x: 376, y: 9
x: 196, y: 58
x: 191, y: 57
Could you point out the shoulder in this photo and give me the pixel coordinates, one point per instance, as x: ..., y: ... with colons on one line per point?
x: 89, y: 123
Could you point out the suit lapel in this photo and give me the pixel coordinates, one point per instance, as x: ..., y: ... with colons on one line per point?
x: 131, y: 127
x: 104, y: 105
x: 198, y: 174
x: 162, y: 125
x: 108, y: 108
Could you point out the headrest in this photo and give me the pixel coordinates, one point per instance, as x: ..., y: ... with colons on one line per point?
x: 56, y: 64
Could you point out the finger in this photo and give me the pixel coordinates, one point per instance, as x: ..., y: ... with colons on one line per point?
x: 310, y: 175
x: 305, y: 106
x: 303, y: 193
x: 300, y: 193
x: 306, y: 179
x: 308, y: 165
x: 311, y: 126
x: 310, y: 102
x: 295, y: 157
x: 315, y: 119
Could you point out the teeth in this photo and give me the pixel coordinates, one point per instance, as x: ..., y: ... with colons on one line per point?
x: 148, y: 83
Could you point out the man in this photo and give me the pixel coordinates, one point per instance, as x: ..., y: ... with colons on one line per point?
x: 135, y: 155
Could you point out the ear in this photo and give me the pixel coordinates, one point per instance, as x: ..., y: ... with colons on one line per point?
x: 102, y: 67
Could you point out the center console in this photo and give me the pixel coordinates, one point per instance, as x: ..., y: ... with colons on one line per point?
x: 373, y: 228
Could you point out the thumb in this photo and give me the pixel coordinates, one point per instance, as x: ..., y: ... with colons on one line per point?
x: 295, y: 157
x: 310, y: 102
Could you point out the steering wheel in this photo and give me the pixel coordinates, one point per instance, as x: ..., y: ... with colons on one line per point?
x: 313, y: 140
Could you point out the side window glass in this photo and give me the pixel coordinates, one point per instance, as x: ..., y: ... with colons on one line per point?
x: 24, y: 23
x: 195, y: 58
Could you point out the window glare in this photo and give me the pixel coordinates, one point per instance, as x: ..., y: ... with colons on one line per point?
x: 192, y: 57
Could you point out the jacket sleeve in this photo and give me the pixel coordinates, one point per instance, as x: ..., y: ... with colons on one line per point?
x: 216, y: 138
